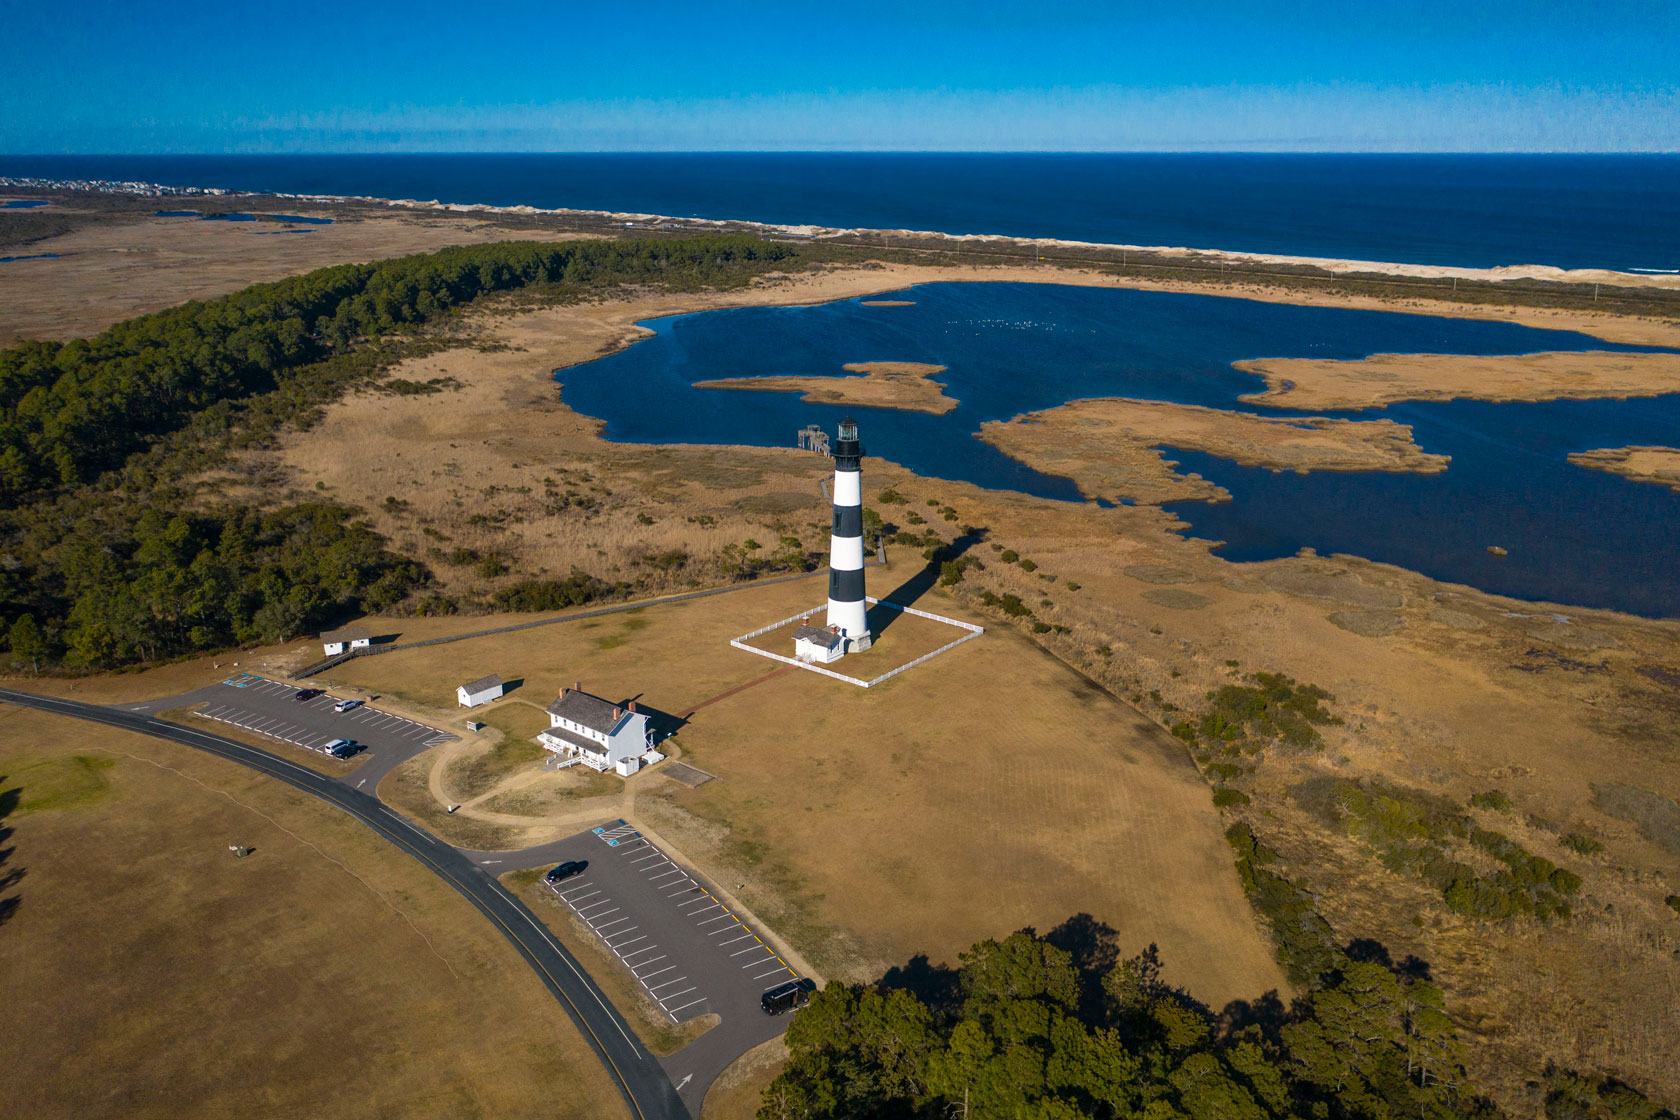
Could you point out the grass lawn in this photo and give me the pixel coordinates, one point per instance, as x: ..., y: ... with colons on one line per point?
x: 991, y: 789
x: 146, y: 972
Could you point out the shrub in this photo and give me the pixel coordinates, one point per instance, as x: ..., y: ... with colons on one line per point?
x: 1071, y: 586
x: 1041, y: 628
x: 1673, y: 902
x: 891, y: 497
x: 1009, y: 556
x: 1582, y: 845
x: 1028, y: 566
x: 1494, y: 799
x: 1224, y: 796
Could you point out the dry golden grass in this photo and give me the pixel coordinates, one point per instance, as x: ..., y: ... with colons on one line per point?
x: 1472, y: 692
x: 906, y: 385
x: 1317, y: 383
x: 1110, y: 447
x: 112, y: 272
x: 739, y: 1090
x: 1642, y: 464
x: 985, y: 791
x: 148, y: 973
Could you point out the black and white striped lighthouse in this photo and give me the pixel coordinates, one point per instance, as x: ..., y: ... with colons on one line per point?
x: 846, y: 608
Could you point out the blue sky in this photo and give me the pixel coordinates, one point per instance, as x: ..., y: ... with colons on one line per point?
x: 1353, y: 75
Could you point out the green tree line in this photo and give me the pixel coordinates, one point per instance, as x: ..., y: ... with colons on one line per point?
x: 110, y: 554
x: 71, y: 410
x: 1058, y: 1028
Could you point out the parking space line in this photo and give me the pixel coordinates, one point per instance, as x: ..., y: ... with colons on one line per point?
x: 672, y: 1011
x: 755, y: 964
x: 684, y: 992
x: 603, y: 913
x: 772, y: 972
x: 719, y: 918
x: 667, y: 968
x: 639, y: 952
x: 669, y: 984
x: 602, y: 929
x: 631, y: 941
x: 592, y: 905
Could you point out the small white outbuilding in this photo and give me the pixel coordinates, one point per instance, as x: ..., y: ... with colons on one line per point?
x: 354, y: 637
x: 812, y: 643
x: 482, y: 691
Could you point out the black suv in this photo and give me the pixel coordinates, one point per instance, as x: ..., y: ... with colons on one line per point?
x: 306, y: 694
x: 566, y: 870
x: 787, y: 997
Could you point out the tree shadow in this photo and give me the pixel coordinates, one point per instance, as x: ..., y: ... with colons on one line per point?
x: 1367, y: 950
x: 882, y: 615
x: 1095, y: 948
x: 9, y: 800
x: 936, y: 985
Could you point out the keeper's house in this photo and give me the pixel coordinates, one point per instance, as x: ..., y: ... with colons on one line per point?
x: 474, y: 693
x: 813, y: 643
x: 596, y: 732
x: 337, y: 641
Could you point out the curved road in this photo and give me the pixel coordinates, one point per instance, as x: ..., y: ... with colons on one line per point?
x: 641, y: 1079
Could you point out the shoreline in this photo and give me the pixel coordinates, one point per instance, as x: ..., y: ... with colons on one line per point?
x: 1337, y: 266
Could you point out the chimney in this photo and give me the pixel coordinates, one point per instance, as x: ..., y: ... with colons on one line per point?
x: 618, y: 713
x: 577, y: 686
x: 632, y: 705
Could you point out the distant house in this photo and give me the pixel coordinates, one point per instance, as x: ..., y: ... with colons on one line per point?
x: 337, y: 641
x: 812, y: 643
x: 474, y: 693
x: 596, y: 732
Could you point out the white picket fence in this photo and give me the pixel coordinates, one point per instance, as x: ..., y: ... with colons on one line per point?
x: 973, y: 632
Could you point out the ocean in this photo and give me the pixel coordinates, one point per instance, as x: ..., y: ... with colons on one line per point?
x: 1572, y: 211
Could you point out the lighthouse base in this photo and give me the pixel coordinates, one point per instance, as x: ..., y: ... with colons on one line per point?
x: 859, y: 643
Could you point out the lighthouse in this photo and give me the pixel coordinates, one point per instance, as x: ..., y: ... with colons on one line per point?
x: 846, y: 608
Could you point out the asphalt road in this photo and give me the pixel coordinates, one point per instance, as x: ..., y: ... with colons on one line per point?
x: 641, y: 1079
x: 688, y: 950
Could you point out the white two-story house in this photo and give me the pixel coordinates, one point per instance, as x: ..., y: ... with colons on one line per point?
x: 597, y: 732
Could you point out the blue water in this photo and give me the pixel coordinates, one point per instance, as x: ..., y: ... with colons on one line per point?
x: 240, y: 217
x: 22, y: 203
x: 1572, y: 211
x: 33, y: 257
x: 1575, y: 536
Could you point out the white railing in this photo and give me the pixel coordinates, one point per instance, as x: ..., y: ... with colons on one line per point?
x: 974, y: 631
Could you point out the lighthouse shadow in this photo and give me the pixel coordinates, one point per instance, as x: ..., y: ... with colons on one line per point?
x: 888, y: 611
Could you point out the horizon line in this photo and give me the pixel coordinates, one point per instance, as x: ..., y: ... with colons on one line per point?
x: 854, y: 151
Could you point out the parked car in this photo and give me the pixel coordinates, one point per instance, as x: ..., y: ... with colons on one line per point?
x: 566, y: 870
x: 342, y: 748
x: 787, y: 997
x: 347, y: 705
x: 306, y: 694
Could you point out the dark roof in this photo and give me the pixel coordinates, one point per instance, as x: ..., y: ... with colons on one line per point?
x: 348, y: 634
x: 591, y: 711
x: 480, y: 685
x: 575, y: 740
x: 825, y: 638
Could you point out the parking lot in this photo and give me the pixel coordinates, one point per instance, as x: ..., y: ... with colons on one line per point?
x: 267, y: 707
x: 688, y: 950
